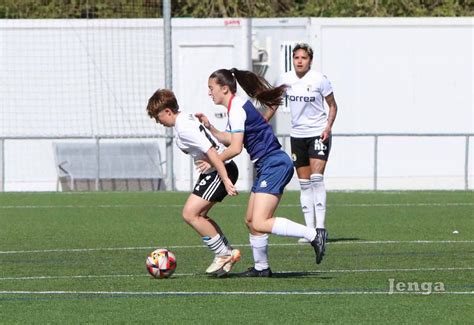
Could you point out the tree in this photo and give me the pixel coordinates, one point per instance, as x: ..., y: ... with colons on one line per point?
x: 234, y: 8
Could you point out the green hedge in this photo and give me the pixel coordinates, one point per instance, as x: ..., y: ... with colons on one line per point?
x: 15, y: 9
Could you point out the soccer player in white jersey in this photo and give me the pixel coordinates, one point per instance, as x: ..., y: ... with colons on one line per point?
x: 246, y: 127
x: 311, y: 127
x: 213, y: 184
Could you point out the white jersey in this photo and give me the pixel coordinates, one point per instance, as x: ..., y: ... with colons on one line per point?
x: 305, y: 97
x: 194, y: 139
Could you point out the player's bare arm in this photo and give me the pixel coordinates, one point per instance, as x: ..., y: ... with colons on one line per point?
x: 218, y: 164
x: 223, y: 137
x: 235, y: 147
x: 203, y: 166
x: 331, y: 101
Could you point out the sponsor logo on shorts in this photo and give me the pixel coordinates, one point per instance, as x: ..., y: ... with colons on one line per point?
x: 202, y: 182
x: 263, y: 184
x: 320, y: 147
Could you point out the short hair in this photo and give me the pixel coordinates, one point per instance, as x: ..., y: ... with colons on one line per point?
x: 305, y: 47
x: 161, y: 99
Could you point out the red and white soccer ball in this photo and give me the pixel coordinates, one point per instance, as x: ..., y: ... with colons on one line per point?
x: 161, y: 263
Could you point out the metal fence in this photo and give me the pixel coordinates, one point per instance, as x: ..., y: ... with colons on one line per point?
x: 376, y: 137
x: 284, y: 140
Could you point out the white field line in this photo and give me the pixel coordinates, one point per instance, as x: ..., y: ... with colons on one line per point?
x: 134, y: 206
x: 231, y: 293
x: 384, y: 192
x: 349, y: 242
x: 59, y: 277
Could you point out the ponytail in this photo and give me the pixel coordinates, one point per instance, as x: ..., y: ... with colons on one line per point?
x: 259, y: 88
x: 255, y: 86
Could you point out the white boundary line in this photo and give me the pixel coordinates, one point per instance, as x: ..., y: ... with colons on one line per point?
x: 384, y: 192
x: 121, y: 206
x: 349, y: 242
x: 230, y: 293
x: 448, y: 269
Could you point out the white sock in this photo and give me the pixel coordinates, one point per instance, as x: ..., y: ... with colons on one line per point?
x: 319, y: 199
x: 217, y: 245
x: 226, y: 242
x: 259, y: 246
x: 286, y: 227
x: 306, y: 200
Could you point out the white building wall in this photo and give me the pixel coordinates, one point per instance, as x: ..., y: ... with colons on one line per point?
x: 400, y: 75
x: 389, y: 75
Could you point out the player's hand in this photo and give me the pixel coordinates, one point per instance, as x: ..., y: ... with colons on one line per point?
x: 203, y: 166
x: 230, y: 188
x: 325, y: 135
x: 204, y: 120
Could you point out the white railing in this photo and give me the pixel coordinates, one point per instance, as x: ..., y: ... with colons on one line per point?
x: 376, y: 137
x: 284, y: 140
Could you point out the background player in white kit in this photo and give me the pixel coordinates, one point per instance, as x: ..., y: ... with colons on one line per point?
x: 213, y: 184
x: 310, y: 135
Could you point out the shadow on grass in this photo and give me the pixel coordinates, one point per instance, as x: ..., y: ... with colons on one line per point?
x: 278, y: 275
x: 308, y: 274
x: 334, y: 240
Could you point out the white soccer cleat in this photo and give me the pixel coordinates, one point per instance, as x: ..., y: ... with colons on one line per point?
x: 215, y: 265
x: 235, y: 257
x: 223, y: 264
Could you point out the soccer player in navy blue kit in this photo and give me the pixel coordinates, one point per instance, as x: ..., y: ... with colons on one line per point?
x: 247, y: 128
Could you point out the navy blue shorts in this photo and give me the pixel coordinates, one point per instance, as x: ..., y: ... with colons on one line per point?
x: 274, y: 172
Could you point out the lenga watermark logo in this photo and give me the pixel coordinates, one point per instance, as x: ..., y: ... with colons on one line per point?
x: 425, y: 288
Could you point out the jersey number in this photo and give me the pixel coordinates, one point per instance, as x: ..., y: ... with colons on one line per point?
x: 208, y: 136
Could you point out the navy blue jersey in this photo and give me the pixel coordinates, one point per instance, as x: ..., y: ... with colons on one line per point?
x: 259, y: 139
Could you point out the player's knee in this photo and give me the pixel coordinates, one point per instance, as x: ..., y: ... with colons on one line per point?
x: 248, y: 219
x: 189, y: 215
x: 248, y: 223
x: 260, y: 226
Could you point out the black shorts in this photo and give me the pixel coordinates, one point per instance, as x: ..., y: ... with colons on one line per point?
x: 304, y: 148
x: 210, y: 186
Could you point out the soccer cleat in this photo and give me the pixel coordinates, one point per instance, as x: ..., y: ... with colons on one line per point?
x: 303, y: 241
x: 319, y: 244
x: 235, y: 257
x: 223, y: 264
x: 215, y: 265
x: 253, y: 273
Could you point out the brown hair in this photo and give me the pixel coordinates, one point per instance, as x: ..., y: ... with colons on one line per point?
x: 254, y: 85
x: 305, y: 47
x: 161, y: 99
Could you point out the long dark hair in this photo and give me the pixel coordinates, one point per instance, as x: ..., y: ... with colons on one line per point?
x: 254, y: 85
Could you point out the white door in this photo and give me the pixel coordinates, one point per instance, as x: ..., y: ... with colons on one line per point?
x: 195, y: 64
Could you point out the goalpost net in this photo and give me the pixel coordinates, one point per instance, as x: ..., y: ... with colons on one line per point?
x: 79, y: 78
x: 74, y: 80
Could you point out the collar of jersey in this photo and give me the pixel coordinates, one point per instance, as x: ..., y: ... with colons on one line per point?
x: 230, y: 103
